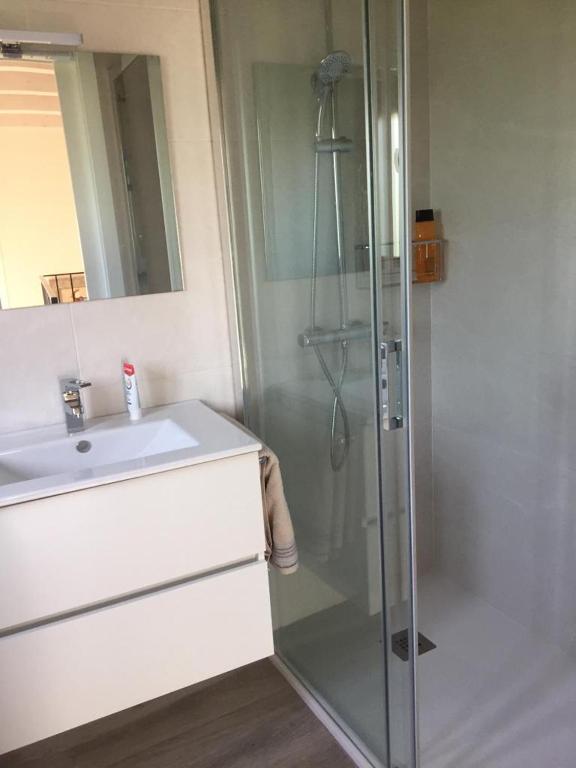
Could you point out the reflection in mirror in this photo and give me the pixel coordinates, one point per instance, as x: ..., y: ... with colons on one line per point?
x: 86, y: 199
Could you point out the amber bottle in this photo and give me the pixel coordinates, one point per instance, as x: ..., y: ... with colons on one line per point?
x: 427, y: 254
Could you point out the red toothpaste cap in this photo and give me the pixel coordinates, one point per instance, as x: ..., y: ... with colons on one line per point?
x: 129, y: 369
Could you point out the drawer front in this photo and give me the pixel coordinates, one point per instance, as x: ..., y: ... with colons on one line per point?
x: 74, y: 671
x: 73, y: 550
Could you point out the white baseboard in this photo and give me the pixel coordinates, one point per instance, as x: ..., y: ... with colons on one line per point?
x: 362, y: 758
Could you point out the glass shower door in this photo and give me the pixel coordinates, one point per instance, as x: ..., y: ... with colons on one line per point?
x: 313, y: 149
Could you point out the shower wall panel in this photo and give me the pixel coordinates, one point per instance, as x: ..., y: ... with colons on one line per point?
x: 503, y: 174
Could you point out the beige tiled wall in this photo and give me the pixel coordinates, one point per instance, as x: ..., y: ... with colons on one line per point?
x: 180, y: 343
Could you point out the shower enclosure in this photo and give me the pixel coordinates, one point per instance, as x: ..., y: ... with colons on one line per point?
x: 424, y: 430
x: 311, y: 95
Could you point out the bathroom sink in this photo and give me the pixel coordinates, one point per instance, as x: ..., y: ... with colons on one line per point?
x: 93, y: 448
x: 47, y: 461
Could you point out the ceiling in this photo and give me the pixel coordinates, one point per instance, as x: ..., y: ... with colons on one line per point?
x: 28, y: 94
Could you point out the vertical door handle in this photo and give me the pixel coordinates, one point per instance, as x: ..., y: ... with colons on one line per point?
x: 391, y: 381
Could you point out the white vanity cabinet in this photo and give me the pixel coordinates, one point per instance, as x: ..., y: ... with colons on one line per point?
x: 72, y: 671
x: 119, y: 593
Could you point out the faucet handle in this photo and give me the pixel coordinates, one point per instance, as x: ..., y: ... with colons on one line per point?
x: 74, y: 384
x: 70, y: 388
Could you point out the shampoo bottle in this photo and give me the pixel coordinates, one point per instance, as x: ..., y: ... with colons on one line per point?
x: 427, y: 251
x: 131, y: 392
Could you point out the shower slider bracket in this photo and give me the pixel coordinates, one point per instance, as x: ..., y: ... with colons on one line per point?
x: 340, y: 144
x: 391, y: 381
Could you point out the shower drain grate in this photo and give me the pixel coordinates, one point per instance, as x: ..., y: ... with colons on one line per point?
x: 401, y: 644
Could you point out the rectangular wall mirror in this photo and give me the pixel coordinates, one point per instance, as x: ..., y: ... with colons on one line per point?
x: 86, y: 199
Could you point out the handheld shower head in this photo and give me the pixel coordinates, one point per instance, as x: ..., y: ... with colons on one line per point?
x: 333, y: 66
x: 330, y: 71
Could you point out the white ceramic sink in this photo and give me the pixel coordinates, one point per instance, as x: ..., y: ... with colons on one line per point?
x: 47, y: 461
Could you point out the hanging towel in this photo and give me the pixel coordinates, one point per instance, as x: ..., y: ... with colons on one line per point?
x: 281, y: 548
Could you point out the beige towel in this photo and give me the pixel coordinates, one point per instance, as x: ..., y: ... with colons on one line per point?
x: 281, y: 548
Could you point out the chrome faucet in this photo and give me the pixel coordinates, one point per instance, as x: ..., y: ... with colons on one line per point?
x: 73, y: 408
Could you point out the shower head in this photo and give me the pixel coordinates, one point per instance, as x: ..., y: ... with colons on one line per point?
x: 333, y: 66
x: 330, y: 71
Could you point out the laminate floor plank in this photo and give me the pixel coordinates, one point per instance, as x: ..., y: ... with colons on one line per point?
x: 248, y: 718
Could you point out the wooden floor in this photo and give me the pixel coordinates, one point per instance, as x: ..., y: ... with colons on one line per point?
x: 249, y: 718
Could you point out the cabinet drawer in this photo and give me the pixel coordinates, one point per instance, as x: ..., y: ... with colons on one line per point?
x: 61, y: 675
x: 73, y: 550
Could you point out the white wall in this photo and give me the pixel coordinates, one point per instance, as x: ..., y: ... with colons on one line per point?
x: 503, y: 158
x: 179, y: 342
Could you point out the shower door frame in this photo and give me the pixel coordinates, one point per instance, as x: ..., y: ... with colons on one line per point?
x: 405, y: 252
x: 242, y: 377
